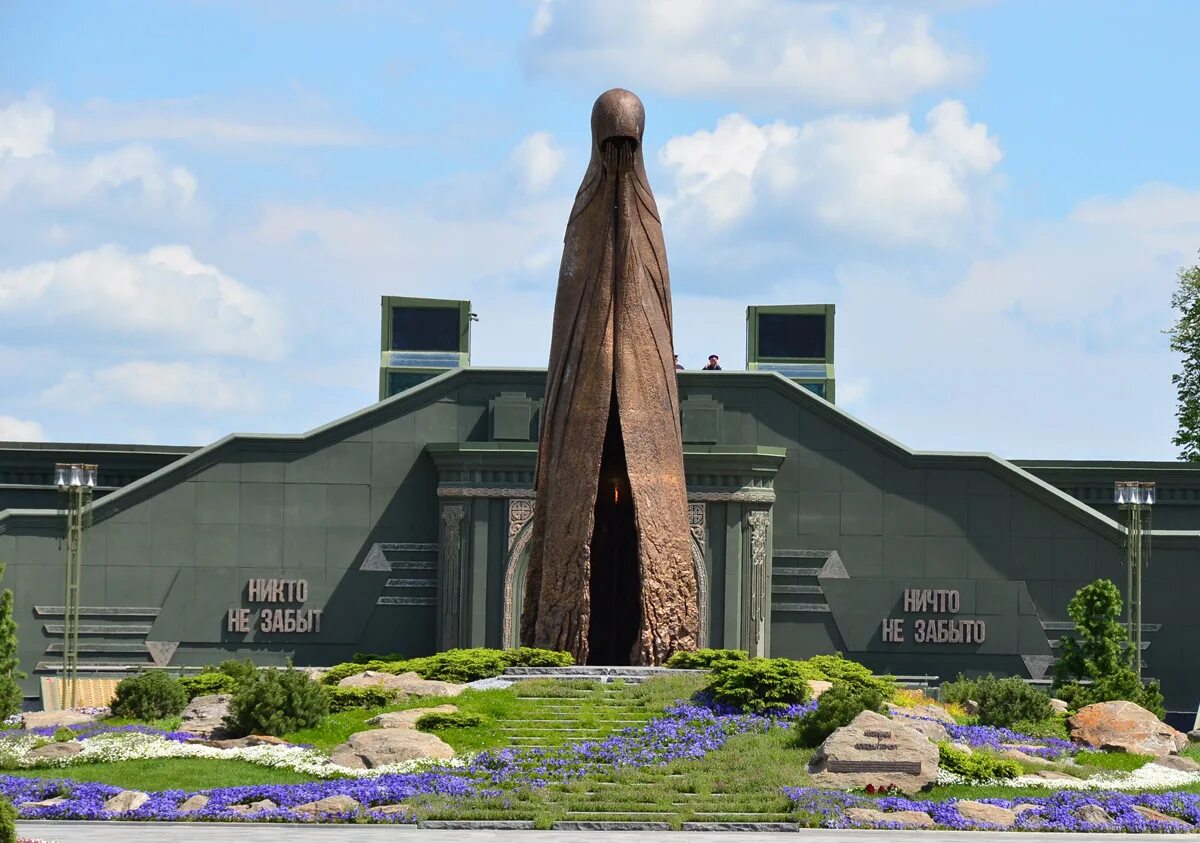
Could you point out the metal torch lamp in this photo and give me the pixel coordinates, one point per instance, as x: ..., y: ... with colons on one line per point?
x: 76, y: 481
x: 1135, y: 499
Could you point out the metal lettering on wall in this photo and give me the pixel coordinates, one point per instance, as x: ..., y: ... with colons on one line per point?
x: 928, y: 630
x: 271, y: 619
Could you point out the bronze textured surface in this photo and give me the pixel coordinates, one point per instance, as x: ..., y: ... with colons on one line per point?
x: 610, y: 525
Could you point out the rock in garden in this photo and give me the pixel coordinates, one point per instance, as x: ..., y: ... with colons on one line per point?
x: 254, y: 807
x: 874, y: 750
x: 241, y: 743
x: 126, y: 800
x: 1159, y: 816
x: 1093, y: 814
x: 55, y: 751
x: 379, y: 747
x: 931, y: 729
x: 818, y: 687
x: 205, y: 716
x: 43, y: 719
x: 971, y: 707
x: 982, y: 812
x: 193, y: 803
x: 409, y: 684
x: 45, y: 803
x: 1124, y: 726
x: 1023, y: 807
x: 1177, y: 762
x: 408, y: 719
x: 395, y: 808
x: 1058, y: 706
x: 1022, y: 757
x: 912, y: 819
x: 329, y: 805
x: 1194, y: 735
x: 933, y: 712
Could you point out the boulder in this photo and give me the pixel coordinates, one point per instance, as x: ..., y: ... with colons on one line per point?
x: 982, y: 812
x: 409, y: 684
x: 928, y: 711
x: 54, y: 719
x: 45, y: 803
x: 379, y: 747
x: 1058, y: 706
x: 818, y: 687
x: 126, y: 800
x: 1124, y: 726
x: 55, y: 751
x: 329, y: 805
x: 874, y: 750
x: 408, y: 719
x: 1055, y: 776
x: 1194, y: 735
x: 254, y: 807
x: 1022, y: 757
x: 931, y: 729
x: 962, y: 747
x: 1159, y: 816
x: 241, y: 743
x: 1177, y: 762
x: 1023, y: 807
x: 1093, y: 814
x: 912, y: 819
x: 394, y: 808
x: 193, y: 803
x: 205, y: 716
x: 971, y: 707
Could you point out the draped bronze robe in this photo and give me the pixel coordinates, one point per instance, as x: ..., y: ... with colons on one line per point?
x: 610, y: 458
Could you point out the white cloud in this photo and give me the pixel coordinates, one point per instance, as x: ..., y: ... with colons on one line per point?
x: 26, y: 127
x: 1054, y: 348
x: 20, y: 430
x: 203, y: 121
x: 164, y: 294
x: 148, y: 383
x: 875, y: 177
x: 769, y: 51
x: 537, y: 160
x: 33, y: 173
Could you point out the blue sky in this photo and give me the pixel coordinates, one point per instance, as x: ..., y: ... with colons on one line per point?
x: 201, y: 202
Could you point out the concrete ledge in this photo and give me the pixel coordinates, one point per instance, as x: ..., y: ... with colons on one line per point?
x: 740, y: 827
x: 607, y: 825
x: 478, y: 825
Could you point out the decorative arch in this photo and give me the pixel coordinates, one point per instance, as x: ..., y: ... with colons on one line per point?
x: 516, y: 563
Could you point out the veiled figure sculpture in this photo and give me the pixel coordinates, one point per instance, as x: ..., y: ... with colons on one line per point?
x: 610, y: 575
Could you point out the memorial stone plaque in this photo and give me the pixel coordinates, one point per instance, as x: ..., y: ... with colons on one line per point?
x: 874, y: 750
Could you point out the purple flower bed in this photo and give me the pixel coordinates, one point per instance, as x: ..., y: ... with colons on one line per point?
x: 88, y: 730
x: 1057, y: 812
x: 995, y: 737
x: 687, y: 731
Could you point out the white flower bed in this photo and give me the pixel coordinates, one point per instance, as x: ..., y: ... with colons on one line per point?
x: 116, y: 746
x: 1150, y: 777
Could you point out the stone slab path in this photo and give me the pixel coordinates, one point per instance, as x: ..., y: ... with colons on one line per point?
x: 118, y: 832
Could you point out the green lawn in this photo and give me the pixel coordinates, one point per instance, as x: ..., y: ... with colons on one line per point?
x: 168, y: 773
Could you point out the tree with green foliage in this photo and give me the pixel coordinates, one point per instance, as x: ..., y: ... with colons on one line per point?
x: 1185, y: 339
x: 1102, y: 654
x: 10, y: 673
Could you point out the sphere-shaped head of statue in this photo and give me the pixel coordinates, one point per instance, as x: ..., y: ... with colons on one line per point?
x: 618, y: 115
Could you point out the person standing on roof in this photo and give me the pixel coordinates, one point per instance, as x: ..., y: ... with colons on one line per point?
x: 678, y: 365
x: 714, y: 363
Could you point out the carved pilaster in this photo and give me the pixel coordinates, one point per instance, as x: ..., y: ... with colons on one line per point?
x: 760, y: 536
x: 698, y: 522
x: 450, y: 583
x: 520, y: 510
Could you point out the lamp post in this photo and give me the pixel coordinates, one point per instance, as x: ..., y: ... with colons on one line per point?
x: 76, y: 481
x: 1135, y: 498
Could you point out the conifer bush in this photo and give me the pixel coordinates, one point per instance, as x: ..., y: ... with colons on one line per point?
x: 435, y: 721
x: 976, y: 767
x: 276, y: 702
x: 840, y: 704
x: 8, y: 822
x: 704, y: 659
x: 344, y: 699
x: 149, y: 696
x: 1101, y: 654
x: 759, y: 685
x: 10, y: 673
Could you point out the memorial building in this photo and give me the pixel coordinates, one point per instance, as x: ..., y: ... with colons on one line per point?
x: 405, y: 528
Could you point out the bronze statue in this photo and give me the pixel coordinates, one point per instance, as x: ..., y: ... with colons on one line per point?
x: 610, y: 575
